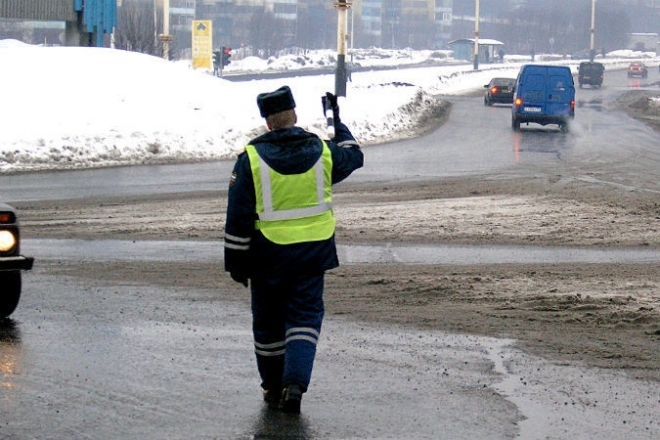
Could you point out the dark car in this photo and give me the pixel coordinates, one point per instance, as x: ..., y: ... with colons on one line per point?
x: 11, y: 261
x: 590, y: 73
x: 499, y: 91
x: 637, y: 69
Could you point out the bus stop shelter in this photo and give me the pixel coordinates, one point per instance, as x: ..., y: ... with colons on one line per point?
x: 488, y: 49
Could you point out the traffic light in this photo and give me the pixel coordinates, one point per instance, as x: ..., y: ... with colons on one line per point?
x: 226, y: 55
x: 217, y: 59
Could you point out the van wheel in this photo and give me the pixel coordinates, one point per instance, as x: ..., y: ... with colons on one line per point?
x: 563, y: 126
x: 11, y: 286
x: 515, y: 124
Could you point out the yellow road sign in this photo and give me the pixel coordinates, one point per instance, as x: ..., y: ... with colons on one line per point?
x: 202, y: 44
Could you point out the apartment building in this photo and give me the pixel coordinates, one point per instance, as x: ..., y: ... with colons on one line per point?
x: 276, y: 24
x: 312, y: 23
x: 403, y: 23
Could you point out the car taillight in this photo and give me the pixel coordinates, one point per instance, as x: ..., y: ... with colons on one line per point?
x: 518, y: 102
x: 572, y: 105
x: 493, y: 90
x: 7, y: 217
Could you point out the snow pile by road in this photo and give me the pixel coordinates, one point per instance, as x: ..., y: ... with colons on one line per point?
x: 72, y: 107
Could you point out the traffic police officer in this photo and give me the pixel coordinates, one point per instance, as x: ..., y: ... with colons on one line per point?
x: 279, y: 234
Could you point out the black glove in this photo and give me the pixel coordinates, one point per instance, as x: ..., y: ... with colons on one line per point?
x: 239, y: 278
x: 332, y: 103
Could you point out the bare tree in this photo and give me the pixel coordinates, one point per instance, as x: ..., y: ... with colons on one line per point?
x: 612, y: 28
x: 564, y: 27
x: 310, y: 28
x: 316, y: 26
x: 136, y: 28
x: 416, y: 31
x: 266, y: 36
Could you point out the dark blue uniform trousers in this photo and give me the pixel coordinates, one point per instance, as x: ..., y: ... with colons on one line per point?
x: 287, y: 313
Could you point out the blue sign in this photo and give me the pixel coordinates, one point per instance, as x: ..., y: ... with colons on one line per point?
x: 99, y: 16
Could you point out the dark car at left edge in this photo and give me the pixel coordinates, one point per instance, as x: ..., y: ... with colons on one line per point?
x: 499, y: 91
x: 11, y: 261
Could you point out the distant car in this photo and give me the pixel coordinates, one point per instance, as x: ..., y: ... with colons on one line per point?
x: 11, y: 261
x: 637, y: 69
x: 590, y: 73
x: 499, y: 91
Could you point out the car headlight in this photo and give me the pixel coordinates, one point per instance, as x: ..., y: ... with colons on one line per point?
x: 7, y: 241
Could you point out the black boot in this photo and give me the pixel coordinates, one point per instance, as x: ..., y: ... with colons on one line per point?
x: 291, y: 398
x: 272, y: 398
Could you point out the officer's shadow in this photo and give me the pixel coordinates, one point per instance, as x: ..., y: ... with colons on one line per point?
x: 277, y: 425
x: 10, y: 333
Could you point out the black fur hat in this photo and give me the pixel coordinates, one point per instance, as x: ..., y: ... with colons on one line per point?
x: 275, y: 102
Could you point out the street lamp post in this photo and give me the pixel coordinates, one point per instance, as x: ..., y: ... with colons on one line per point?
x: 165, y: 38
x: 166, y: 29
x: 352, y: 35
x: 342, y: 27
x: 476, y: 35
x: 592, y: 51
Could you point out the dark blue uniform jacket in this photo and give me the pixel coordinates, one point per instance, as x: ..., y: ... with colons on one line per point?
x: 288, y: 151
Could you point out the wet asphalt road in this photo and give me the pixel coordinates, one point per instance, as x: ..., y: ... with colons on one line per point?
x: 88, y: 359
x: 155, y: 364
x: 85, y: 359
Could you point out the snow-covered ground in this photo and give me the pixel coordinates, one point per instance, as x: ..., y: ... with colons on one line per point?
x: 71, y: 107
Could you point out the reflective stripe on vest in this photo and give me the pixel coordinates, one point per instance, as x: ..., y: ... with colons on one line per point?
x: 293, y: 208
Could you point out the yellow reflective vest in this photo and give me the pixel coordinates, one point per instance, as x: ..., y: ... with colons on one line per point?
x: 293, y: 208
